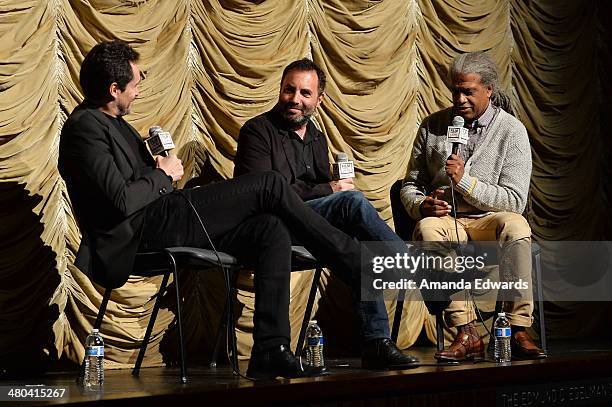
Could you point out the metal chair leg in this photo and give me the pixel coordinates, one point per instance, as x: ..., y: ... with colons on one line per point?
x: 97, y: 325
x: 499, y: 305
x: 440, y: 330
x: 102, y: 310
x: 231, y: 278
x: 145, y: 341
x: 226, y: 323
x: 179, y: 321
x: 308, y: 311
x: 397, y: 318
x: 221, y: 332
x: 540, y: 293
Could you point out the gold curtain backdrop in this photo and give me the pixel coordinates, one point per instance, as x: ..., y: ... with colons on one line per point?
x: 210, y: 66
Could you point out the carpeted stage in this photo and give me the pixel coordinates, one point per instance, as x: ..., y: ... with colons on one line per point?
x: 573, y: 374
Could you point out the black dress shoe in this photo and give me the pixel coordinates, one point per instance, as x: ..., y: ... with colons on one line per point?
x: 384, y: 354
x: 274, y: 362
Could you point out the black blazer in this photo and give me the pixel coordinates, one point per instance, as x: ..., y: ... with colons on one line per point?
x: 108, y: 193
x: 264, y: 145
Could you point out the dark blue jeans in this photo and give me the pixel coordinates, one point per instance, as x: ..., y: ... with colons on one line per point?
x: 352, y: 213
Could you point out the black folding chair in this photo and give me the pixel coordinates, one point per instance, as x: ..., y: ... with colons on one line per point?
x: 166, y: 262
x: 301, y: 260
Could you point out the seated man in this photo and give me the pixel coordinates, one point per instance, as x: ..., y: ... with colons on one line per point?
x: 286, y: 140
x: 125, y: 202
x: 491, y: 174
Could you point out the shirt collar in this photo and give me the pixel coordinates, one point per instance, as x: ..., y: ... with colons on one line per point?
x: 309, y: 136
x: 485, y: 118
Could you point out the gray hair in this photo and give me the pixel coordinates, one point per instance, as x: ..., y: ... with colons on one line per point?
x: 481, y: 64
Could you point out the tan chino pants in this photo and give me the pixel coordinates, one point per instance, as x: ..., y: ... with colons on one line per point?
x: 512, y: 232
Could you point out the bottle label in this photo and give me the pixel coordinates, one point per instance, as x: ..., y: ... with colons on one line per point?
x: 94, y: 351
x: 315, y: 340
x: 502, y: 332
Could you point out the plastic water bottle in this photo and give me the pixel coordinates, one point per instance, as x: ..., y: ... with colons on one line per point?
x: 93, y: 378
x: 502, y: 331
x: 314, y: 346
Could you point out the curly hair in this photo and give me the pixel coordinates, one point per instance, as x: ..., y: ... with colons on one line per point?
x: 305, y: 65
x: 105, y: 63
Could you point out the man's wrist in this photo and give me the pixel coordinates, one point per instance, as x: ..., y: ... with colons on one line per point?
x: 166, y: 174
x: 466, y: 184
x: 419, y: 205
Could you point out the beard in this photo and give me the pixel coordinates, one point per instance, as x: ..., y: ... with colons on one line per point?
x: 296, y: 120
x: 123, y: 110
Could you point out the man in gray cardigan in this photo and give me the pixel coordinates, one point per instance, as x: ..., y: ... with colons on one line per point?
x: 491, y: 176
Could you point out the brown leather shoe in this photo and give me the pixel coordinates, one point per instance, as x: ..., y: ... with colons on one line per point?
x: 467, y: 345
x: 523, y: 347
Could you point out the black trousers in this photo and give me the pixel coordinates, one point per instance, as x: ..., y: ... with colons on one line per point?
x: 253, y: 218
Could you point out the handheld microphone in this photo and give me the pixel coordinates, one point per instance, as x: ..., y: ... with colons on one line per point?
x: 343, y: 168
x: 457, y: 134
x: 159, y: 141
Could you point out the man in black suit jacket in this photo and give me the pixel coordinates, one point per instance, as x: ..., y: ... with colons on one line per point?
x: 125, y: 202
x: 285, y: 140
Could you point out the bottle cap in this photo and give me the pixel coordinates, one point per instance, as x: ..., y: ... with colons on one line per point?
x: 95, y: 330
x: 501, y: 314
x: 313, y: 321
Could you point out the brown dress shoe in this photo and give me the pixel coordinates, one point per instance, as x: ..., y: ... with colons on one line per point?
x: 467, y: 345
x: 522, y: 347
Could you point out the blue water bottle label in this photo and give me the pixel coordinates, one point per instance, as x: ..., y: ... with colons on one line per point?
x: 315, y: 340
x: 502, y: 332
x: 94, y: 351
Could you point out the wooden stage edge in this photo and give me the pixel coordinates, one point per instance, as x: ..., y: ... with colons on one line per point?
x: 572, y: 375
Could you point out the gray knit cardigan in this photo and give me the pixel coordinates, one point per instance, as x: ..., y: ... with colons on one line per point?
x: 496, y: 177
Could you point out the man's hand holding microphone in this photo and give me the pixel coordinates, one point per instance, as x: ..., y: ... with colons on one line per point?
x: 456, y: 134
x: 454, y: 168
x: 343, y: 172
x: 171, y: 165
x: 342, y: 185
x: 160, y: 143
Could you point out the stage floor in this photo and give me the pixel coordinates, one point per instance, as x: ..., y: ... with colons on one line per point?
x: 573, y: 374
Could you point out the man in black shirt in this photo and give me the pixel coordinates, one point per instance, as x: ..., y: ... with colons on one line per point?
x: 286, y: 140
